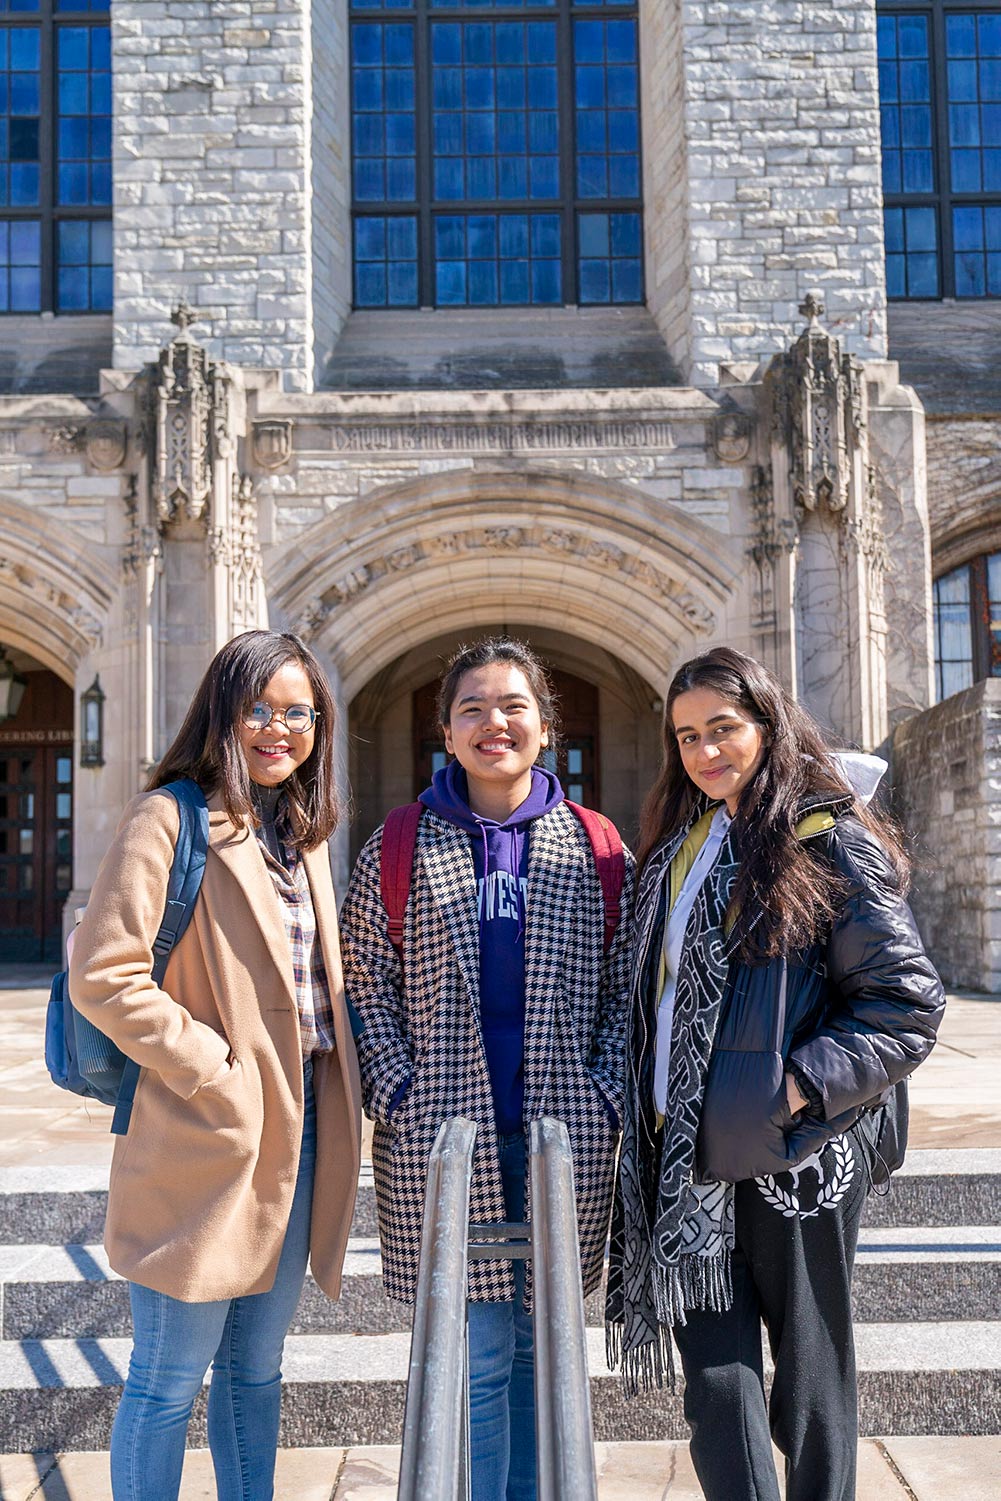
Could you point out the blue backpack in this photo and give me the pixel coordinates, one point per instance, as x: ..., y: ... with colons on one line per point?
x: 78, y: 1056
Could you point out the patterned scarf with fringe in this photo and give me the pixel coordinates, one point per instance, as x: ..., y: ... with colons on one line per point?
x: 671, y: 1238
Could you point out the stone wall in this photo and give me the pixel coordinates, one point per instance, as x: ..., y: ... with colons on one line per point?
x: 947, y: 787
x: 782, y: 191
x: 214, y: 180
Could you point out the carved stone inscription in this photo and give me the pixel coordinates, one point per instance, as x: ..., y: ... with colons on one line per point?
x: 502, y: 436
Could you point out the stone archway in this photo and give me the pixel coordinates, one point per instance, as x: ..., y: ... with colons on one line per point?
x: 613, y: 570
x: 459, y: 551
x: 55, y: 593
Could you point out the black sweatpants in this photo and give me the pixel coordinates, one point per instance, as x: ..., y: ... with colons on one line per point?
x: 792, y: 1267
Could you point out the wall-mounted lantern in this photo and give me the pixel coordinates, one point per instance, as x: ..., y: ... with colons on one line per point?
x: 92, y: 725
x: 12, y: 686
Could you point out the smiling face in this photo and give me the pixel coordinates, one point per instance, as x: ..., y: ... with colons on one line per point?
x: 273, y: 753
x: 495, y: 732
x: 721, y: 746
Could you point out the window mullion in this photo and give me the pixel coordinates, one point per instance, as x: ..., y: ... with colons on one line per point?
x: 568, y: 163
x: 46, y: 158
x: 423, y: 103
x: 942, y: 165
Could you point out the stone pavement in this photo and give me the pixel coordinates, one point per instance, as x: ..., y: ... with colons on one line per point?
x: 956, y: 1104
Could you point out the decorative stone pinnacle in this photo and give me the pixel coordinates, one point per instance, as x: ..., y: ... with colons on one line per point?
x: 812, y: 307
x: 182, y: 315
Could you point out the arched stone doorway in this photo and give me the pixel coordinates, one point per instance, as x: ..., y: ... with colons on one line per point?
x: 612, y: 720
x: 624, y: 586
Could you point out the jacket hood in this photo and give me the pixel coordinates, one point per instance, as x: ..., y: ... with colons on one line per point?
x: 448, y: 796
x: 861, y: 771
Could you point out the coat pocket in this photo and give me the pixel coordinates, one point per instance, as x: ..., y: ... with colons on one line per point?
x: 745, y: 1119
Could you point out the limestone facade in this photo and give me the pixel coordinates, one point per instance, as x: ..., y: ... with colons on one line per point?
x: 742, y: 460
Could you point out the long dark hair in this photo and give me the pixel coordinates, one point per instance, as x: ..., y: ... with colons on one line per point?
x: 207, y: 746
x: 501, y: 649
x: 783, y: 896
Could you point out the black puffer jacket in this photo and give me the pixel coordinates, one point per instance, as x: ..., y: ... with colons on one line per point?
x: 853, y: 1015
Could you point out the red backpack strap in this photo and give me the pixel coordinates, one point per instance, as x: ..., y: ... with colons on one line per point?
x: 396, y: 864
x: 606, y: 845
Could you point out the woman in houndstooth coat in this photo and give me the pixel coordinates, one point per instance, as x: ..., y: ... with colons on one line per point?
x: 505, y: 1007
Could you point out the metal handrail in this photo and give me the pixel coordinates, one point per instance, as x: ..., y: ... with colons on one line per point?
x: 434, y: 1423
x: 563, y: 1432
x: 434, y: 1462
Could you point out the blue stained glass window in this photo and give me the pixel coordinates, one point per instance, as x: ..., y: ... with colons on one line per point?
x: 20, y: 94
x: 501, y: 154
x: 911, y: 252
x: 606, y: 96
x: 490, y: 259
x: 610, y: 250
x: 83, y: 123
x: 83, y: 266
x: 20, y: 266
x: 905, y: 104
x: 384, y: 121
x: 385, y: 261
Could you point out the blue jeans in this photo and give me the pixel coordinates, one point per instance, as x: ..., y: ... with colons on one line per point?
x: 243, y: 1338
x: 502, y: 1369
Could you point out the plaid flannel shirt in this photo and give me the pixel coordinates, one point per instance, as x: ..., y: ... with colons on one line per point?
x: 312, y: 989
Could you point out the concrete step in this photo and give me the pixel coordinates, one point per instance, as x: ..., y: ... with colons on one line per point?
x: 341, y: 1390
x: 70, y: 1292
x: 59, y: 1206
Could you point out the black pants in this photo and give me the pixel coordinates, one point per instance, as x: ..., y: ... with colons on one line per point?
x: 792, y: 1269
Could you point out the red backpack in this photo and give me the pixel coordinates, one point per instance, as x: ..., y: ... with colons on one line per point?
x: 399, y: 840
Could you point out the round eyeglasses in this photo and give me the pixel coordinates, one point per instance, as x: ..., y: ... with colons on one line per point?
x: 297, y: 718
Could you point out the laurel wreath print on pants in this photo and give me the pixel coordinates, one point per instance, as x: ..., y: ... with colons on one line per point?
x: 830, y: 1190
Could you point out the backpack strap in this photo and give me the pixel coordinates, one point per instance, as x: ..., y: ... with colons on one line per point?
x: 183, y: 886
x: 610, y: 862
x: 396, y: 865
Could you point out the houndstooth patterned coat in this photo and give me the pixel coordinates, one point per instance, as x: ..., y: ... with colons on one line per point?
x: 422, y: 1023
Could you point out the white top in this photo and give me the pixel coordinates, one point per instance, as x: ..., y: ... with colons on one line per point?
x: 674, y: 938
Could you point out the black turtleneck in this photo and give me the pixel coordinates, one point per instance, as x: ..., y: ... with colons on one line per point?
x: 266, y: 801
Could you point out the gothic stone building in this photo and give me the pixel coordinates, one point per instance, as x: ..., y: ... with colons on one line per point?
x: 626, y: 325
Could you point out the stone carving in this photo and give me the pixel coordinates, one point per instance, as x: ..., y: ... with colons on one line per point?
x: 818, y: 413
x: 182, y: 393
x: 67, y: 437
x: 503, y: 436
x: 244, y: 556
x: 106, y: 443
x: 272, y: 443
x: 51, y: 598
x: 731, y: 436
x: 688, y: 608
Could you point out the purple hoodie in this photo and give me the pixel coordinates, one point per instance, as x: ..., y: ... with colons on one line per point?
x: 500, y: 863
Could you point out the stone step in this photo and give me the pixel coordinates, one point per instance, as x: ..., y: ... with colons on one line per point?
x: 940, y: 1378
x: 60, y: 1206
x: 70, y: 1292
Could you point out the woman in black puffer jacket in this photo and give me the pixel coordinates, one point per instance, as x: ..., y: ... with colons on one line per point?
x: 781, y: 991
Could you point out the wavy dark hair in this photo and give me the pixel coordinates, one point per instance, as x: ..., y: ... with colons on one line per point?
x: 783, y: 896
x: 501, y: 649
x: 207, y: 746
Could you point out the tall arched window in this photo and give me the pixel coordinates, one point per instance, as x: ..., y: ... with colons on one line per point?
x: 940, y: 102
x: 496, y: 153
x: 55, y: 156
x: 967, y: 616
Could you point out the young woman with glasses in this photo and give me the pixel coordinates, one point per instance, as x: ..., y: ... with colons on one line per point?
x: 249, y: 1092
x: 780, y: 991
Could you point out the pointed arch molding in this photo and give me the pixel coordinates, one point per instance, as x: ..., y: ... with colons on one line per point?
x: 55, y: 592
x: 458, y: 550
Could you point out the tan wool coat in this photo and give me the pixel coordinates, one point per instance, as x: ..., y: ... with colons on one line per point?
x: 201, y: 1187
